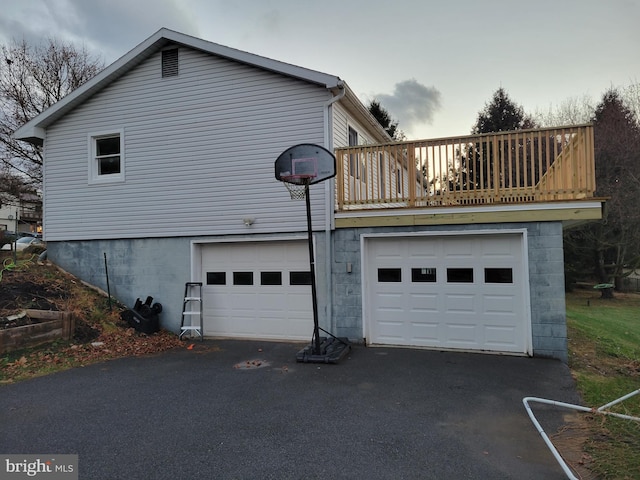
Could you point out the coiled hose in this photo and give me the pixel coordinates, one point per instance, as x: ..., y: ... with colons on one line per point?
x: 9, y: 265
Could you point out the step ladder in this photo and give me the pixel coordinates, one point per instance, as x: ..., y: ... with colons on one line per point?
x: 192, y: 310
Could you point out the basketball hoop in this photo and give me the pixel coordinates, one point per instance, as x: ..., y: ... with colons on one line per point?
x: 296, y: 185
x: 303, y: 165
x: 298, y: 167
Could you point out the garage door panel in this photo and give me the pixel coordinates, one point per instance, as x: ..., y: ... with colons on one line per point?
x: 393, y: 340
x: 424, y: 302
x: 454, y: 291
x: 390, y: 322
x: 457, y: 248
x: 423, y: 311
x: 425, y: 332
x: 391, y: 331
x: 390, y: 302
x: 497, y: 247
x: 384, y: 312
x: 421, y: 319
x: 270, y: 326
x: 461, y: 333
x: 298, y: 304
x: 271, y: 300
x: 418, y: 251
x: 499, y: 304
x: 240, y: 256
x: 239, y: 325
x: 499, y: 336
x: 460, y: 303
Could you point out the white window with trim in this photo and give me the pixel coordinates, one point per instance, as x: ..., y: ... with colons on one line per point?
x: 106, y: 157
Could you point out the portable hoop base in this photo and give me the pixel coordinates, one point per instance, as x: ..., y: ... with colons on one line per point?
x: 332, y: 350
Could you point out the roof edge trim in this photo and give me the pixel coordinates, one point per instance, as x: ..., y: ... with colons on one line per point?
x: 34, y: 130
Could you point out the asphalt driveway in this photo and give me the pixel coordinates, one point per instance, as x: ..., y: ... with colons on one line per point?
x: 246, y: 410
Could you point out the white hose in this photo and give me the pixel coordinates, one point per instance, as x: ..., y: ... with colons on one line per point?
x: 602, y: 410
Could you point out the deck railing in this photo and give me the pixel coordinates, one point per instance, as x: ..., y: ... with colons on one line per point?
x: 522, y: 166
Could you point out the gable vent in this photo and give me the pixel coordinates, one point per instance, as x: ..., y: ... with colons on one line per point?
x: 170, y: 63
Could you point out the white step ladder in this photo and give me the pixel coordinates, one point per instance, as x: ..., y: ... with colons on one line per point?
x: 192, y: 310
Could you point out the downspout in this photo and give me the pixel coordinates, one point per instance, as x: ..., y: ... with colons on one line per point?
x: 328, y: 208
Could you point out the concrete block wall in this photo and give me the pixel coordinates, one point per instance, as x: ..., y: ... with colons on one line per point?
x: 347, y: 288
x: 137, y: 268
x: 546, y: 281
x: 158, y: 267
x: 546, y: 286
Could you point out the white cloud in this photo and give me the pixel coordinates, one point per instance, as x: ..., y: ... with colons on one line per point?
x: 411, y: 103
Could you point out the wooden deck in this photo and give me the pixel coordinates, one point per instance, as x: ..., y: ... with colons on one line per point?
x: 518, y: 167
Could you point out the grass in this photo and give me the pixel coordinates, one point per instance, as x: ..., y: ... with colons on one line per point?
x: 604, y: 356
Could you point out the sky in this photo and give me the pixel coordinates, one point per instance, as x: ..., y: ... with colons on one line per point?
x: 433, y: 65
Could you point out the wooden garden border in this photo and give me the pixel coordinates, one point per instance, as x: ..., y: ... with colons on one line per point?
x: 53, y: 326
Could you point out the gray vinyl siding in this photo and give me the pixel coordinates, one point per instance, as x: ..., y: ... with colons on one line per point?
x: 342, y: 120
x: 199, y: 153
x: 340, y: 127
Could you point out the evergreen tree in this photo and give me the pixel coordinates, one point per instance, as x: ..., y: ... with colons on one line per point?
x: 473, y: 169
x: 501, y: 114
x: 384, y: 119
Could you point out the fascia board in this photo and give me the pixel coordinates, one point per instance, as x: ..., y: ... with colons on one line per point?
x: 313, y: 76
x: 34, y: 130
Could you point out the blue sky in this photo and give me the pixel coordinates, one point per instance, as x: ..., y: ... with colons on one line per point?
x: 432, y: 64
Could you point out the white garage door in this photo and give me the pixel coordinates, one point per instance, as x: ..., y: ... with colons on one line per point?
x: 454, y: 292
x: 257, y: 290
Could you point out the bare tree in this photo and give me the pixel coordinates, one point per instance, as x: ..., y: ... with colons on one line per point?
x: 606, y: 249
x: 572, y: 111
x: 631, y: 97
x: 32, y: 78
x: 581, y: 109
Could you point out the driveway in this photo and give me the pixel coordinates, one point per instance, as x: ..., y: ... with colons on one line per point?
x: 246, y: 410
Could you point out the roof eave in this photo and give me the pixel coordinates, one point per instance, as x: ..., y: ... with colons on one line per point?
x: 34, y: 130
x: 366, y: 117
x: 313, y: 76
x: 34, y: 135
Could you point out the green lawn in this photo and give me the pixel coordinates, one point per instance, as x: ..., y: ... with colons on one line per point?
x: 604, y: 356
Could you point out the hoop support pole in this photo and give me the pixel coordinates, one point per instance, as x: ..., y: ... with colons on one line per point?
x: 312, y: 268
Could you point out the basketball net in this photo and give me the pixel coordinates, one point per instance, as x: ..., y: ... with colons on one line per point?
x: 297, y: 190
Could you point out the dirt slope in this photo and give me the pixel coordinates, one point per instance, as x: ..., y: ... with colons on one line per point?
x: 100, y: 333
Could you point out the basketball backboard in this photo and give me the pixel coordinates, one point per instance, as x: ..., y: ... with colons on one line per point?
x: 305, y: 163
